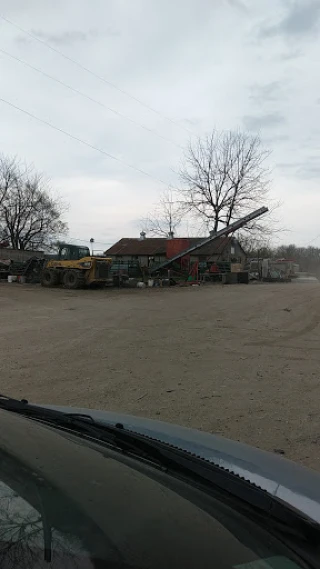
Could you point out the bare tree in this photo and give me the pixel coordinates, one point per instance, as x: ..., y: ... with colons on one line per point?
x: 9, y: 175
x: 166, y: 217
x: 26, y: 536
x: 224, y: 177
x: 255, y: 244
x: 30, y: 218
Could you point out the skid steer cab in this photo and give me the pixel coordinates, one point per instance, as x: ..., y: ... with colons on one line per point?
x: 74, y: 267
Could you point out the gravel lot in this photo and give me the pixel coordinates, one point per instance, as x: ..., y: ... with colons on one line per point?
x: 242, y: 361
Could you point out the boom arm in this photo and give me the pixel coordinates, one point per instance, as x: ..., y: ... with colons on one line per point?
x: 225, y: 231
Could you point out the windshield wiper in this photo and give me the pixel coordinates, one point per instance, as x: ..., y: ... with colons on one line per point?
x: 240, y: 493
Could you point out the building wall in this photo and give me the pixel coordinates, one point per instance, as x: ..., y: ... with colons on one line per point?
x: 239, y: 253
x: 144, y: 260
x: 231, y: 253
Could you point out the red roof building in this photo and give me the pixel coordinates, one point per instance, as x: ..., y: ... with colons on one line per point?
x: 149, y: 250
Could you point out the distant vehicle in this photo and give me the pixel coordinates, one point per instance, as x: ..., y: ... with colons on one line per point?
x: 75, y: 267
x: 288, y: 266
x: 82, y: 488
x: 273, y: 269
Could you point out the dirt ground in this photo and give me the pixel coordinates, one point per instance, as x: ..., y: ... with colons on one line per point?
x: 241, y: 361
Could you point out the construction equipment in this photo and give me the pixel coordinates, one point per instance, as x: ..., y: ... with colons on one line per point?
x: 74, y: 267
x: 31, y: 269
x: 223, y: 232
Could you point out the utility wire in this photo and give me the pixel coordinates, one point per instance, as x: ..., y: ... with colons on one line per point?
x: 83, y: 141
x: 312, y: 240
x: 88, y: 241
x: 87, y: 97
x: 112, y: 85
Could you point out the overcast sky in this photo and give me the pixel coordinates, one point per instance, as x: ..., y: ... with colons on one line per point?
x: 249, y: 64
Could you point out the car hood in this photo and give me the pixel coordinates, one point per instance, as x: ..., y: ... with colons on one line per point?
x: 292, y: 483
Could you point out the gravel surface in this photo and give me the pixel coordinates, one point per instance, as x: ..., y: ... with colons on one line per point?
x: 242, y: 361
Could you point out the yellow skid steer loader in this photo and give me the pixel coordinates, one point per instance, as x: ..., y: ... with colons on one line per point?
x: 75, y: 268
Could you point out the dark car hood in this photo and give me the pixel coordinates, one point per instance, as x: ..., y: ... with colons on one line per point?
x: 295, y: 484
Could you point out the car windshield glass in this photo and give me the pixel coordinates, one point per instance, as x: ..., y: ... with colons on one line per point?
x: 65, y: 253
x: 83, y: 252
x: 115, y: 513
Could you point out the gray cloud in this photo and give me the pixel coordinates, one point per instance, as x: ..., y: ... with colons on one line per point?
x: 239, y: 4
x: 304, y: 170
x: 69, y: 37
x: 266, y: 92
x: 288, y: 167
x: 255, y: 123
x: 292, y: 54
x: 301, y: 19
x: 191, y: 121
x: 308, y: 171
x: 275, y: 138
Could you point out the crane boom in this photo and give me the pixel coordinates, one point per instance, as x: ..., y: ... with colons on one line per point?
x: 223, y: 232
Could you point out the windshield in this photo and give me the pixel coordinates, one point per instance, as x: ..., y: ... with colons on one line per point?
x: 128, y: 516
x: 83, y: 252
x: 70, y: 253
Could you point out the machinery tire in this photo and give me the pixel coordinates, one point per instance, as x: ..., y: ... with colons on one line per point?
x: 73, y: 279
x: 49, y: 277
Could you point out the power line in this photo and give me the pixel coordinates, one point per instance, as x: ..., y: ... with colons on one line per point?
x: 88, y: 241
x: 112, y: 85
x: 83, y: 141
x: 312, y: 240
x: 87, y: 97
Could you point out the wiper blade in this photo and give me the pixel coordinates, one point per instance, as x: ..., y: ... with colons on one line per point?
x: 247, y: 497
x: 85, y: 425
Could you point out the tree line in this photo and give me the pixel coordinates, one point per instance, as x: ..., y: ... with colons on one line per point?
x: 308, y: 258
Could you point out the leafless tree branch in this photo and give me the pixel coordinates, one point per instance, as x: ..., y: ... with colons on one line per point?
x: 29, y: 216
x: 166, y: 217
x: 224, y: 177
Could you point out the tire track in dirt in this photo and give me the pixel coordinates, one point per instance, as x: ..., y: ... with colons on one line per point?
x: 310, y: 325
x: 315, y: 321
